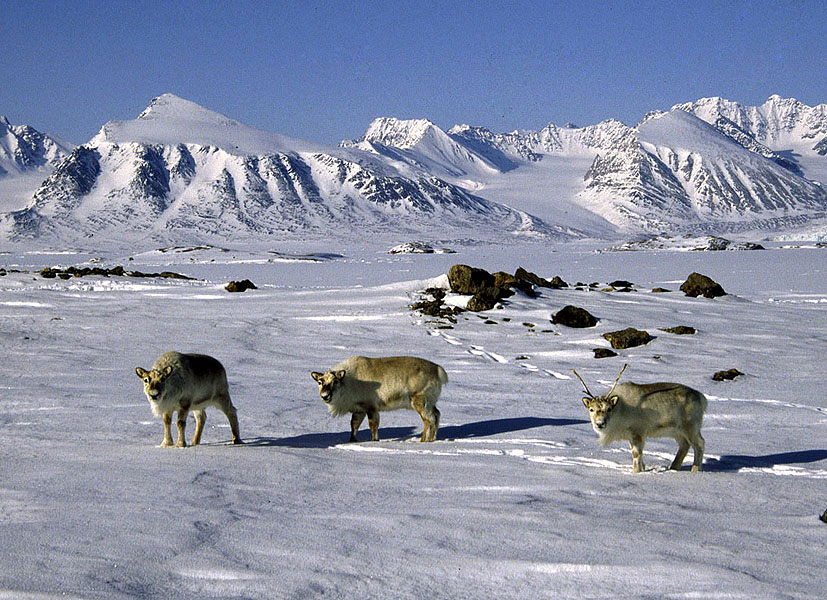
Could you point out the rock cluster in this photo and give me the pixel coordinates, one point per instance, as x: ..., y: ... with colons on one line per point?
x: 51, y: 273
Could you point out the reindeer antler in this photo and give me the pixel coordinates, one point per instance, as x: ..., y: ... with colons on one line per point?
x: 616, y: 380
x: 584, y: 384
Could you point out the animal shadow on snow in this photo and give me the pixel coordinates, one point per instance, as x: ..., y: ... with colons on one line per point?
x: 447, y: 433
x: 735, y: 462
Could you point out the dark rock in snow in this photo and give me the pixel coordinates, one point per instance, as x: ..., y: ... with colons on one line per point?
x: 727, y: 375
x: 628, y: 338
x: 603, y: 353
x: 574, y: 316
x: 469, y: 280
x: 240, y: 286
x: 701, y: 285
x: 680, y: 330
x: 487, y: 298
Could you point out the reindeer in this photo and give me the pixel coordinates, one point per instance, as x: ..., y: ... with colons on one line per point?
x: 633, y: 412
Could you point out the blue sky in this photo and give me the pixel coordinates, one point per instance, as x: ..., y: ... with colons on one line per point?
x: 322, y: 71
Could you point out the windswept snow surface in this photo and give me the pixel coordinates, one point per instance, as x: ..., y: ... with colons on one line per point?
x: 515, y: 499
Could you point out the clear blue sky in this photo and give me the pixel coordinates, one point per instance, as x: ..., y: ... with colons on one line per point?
x: 322, y: 71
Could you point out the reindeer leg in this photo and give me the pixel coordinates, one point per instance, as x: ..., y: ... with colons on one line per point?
x: 637, y: 455
x: 182, y: 424
x: 683, y: 448
x: 355, y: 420
x: 373, y: 423
x: 167, y: 429
x: 698, y: 451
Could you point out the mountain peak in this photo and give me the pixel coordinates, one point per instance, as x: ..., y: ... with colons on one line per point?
x: 399, y: 133
x: 170, y: 106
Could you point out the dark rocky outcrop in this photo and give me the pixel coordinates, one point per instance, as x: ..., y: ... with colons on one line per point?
x: 727, y: 375
x: 701, y: 285
x: 628, y: 338
x: 469, y: 280
x: 240, y: 286
x: 487, y: 298
x: 680, y: 330
x: 574, y: 316
x: 603, y: 353
x: 51, y: 273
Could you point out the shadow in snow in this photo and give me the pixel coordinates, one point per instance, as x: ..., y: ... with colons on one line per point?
x: 495, y: 426
x: 734, y: 462
x: 450, y: 432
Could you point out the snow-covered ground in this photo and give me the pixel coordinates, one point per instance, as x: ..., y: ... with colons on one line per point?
x: 515, y: 499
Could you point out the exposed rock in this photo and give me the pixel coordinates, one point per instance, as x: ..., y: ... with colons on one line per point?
x: 660, y: 290
x: 506, y: 280
x: 240, y: 286
x: 603, y: 353
x: 823, y: 517
x: 574, y: 316
x: 119, y: 271
x: 486, y: 299
x: 534, y: 279
x: 726, y: 375
x: 701, y: 285
x: 679, y: 330
x: 628, y: 338
x: 621, y: 283
x: 412, y: 248
x: 469, y: 280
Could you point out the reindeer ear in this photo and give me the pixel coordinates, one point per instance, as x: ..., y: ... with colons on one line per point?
x: 340, y: 375
x: 613, y: 400
x: 317, y: 376
x: 586, y: 401
x: 167, y: 371
x: 141, y: 373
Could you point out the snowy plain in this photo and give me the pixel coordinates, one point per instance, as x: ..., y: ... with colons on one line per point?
x: 515, y: 499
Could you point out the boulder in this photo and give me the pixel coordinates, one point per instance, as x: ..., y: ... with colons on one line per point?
x: 701, y: 285
x: 240, y: 286
x: 680, y: 330
x: 726, y: 375
x: 603, y: 353
x: 487, y: 298
x: 574, y: 316
x: 469, y: 280
x: 628, y: 338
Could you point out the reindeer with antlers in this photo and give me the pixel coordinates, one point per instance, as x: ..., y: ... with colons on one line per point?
x: 633, y: 412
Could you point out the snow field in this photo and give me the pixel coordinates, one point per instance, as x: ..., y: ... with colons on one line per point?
x: 515, y: 498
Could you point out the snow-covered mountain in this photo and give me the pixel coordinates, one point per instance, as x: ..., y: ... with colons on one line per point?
x: 180, y: 171
x: 24, y: 149
x: 27, y: 156
x: 712, y: 166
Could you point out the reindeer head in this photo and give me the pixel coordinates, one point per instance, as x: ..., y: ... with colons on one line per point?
x: 327, y: 383
x: 600, y: 407
x: 153, y: 380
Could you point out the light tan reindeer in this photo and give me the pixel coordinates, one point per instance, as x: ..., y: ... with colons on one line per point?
x: 365, y: 386
x: 633, y: 412
x: 184, y: 382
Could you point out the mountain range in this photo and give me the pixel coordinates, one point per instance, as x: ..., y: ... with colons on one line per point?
x: 182, y: 172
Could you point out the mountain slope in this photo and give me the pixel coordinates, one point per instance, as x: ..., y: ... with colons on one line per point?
x: 672, y: 172
x: 182, y: 171
x: 27, y: 156
x: 685, y: 173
